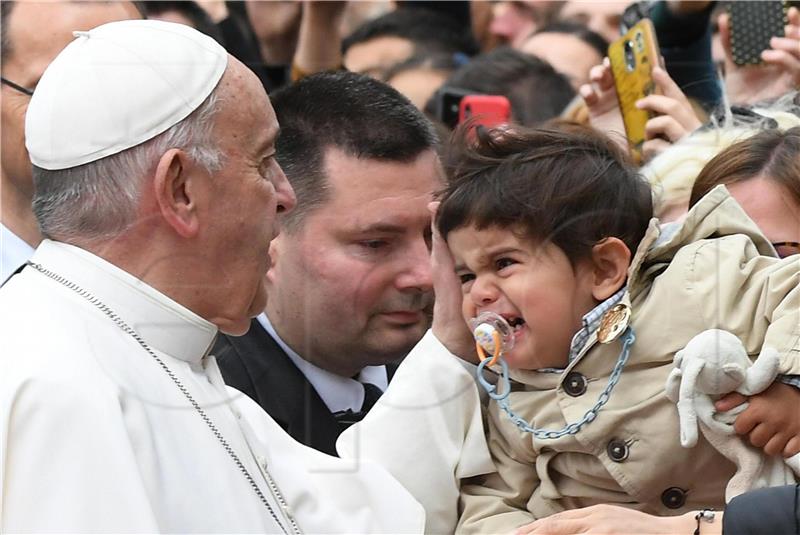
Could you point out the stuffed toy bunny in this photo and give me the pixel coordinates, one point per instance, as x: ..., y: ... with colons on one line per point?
x: 712, y: 364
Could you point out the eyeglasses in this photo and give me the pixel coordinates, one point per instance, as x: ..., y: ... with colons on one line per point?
x: 17, y: 87
x: 786, y: 248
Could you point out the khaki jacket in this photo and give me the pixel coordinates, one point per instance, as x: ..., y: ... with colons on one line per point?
x: 708, y: 272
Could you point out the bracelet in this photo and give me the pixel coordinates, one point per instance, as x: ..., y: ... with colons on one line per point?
x: 706, y: 515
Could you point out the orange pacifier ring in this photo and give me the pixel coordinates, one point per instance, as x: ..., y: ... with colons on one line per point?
x: 495, y: 352
x: 492, y: 333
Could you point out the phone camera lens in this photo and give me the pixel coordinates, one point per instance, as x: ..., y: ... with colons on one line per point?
x: 630, y: 57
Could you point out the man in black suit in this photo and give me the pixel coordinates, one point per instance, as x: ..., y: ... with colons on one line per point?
x: 349, y: 286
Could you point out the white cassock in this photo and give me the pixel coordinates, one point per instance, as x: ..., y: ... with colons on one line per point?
x: 96, y: 437
x: 427, y: 430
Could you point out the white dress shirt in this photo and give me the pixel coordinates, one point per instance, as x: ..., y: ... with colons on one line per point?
x: 339, y: 393
x: 96, y: 437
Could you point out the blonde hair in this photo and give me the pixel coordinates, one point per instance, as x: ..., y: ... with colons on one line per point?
x: 672, y: 173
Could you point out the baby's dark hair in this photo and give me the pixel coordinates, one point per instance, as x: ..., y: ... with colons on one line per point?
x: 565, y: 184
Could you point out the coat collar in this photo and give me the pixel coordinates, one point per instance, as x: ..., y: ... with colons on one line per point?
x: 715, y: 215
x: 164, y: 324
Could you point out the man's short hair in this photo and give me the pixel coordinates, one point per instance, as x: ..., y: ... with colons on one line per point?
x: 428, y: 30
x: 351, y: 112
x: 98, y: 200
x: 536, y: 91
x: 566, y: 184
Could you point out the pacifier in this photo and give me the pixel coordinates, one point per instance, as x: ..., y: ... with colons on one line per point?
x: 492, y: 334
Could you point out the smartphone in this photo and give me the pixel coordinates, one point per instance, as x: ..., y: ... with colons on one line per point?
x: 633, y: 57
x: 486, y: 110
x: 447, y: 104
x: 752, y: 25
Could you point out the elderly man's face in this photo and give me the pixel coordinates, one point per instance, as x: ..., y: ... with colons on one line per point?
x: 37, y: 32
x: 352, y: 286
x: 241, y: 202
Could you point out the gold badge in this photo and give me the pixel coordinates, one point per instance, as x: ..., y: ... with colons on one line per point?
x: 613, y: 323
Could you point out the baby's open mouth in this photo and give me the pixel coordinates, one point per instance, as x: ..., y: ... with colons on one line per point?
x: 516, y: 323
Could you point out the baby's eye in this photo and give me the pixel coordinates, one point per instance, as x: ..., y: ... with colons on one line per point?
x: 504, y: 262
x: 466, y: 277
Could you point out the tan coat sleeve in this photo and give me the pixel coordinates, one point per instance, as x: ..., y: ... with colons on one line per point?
x: 497, y: 503
x: 755, y: 297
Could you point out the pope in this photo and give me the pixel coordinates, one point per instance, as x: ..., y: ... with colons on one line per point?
x: 157, y: 192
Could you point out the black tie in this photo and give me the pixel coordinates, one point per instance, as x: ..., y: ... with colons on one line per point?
x: 347, y: 418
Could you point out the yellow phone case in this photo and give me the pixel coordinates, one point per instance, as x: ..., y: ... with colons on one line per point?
x: 633, y: 57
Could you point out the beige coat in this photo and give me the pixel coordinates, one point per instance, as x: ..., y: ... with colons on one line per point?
x: 709, y: 273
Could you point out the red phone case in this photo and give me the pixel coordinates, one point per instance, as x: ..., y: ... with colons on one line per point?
x: 486, y: 110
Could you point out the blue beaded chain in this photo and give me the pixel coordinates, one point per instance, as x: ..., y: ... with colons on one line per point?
x: 628, y: 337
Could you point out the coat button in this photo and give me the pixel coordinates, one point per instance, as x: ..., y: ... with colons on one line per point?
x: 575, y: 384
x: 673, y: 497
x: 617, y: 450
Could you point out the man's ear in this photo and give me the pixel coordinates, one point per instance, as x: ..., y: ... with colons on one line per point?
x: 175, y: 192
x: 610, y: 261
x: 274, y: 253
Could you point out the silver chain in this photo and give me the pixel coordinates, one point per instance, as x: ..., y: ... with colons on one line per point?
x: 133, y: 334
x: 570, y: 429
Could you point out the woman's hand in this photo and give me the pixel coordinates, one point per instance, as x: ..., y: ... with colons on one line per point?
x: 600, y: 97
x: 674, y: 118
x: 747, y: 84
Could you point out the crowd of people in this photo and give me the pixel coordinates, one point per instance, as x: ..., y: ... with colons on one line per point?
x: 246, y: 253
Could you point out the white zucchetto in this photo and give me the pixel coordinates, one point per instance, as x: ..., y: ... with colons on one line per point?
x: 117, y: 86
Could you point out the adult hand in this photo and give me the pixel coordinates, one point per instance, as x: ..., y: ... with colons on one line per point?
x: 600, y: 96
x: 674, y: 118
x: 448, y: 324
x: 610, y: 520
x: 216, y: 9
x: 319, y: 43
x: 772, y: 419
x: 751, y: 83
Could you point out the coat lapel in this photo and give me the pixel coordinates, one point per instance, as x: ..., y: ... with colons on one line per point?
x: 256, y: 365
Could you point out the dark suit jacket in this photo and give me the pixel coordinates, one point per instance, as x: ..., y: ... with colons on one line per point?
x: 771, y: 510
x: 256, y: 365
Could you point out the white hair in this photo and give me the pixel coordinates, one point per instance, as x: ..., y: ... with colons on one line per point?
x: 99, y: 200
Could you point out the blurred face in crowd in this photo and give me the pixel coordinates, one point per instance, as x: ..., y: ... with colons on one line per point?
x: 241, y: 202
x: 567, y: 53
x: 36, y: 32
x: 418, y: 84
x: 772, y: 208
x: 601, y: 17
x: 534, y: 287
x: 351, y: 286
x: 512, y: 22
x: 374, y: 56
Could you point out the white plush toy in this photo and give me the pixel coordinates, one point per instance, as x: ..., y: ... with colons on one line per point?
x: 712, y: 364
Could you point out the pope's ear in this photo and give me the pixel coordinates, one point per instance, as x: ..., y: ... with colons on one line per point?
x: 610, y: 261
x: 175, y: 192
